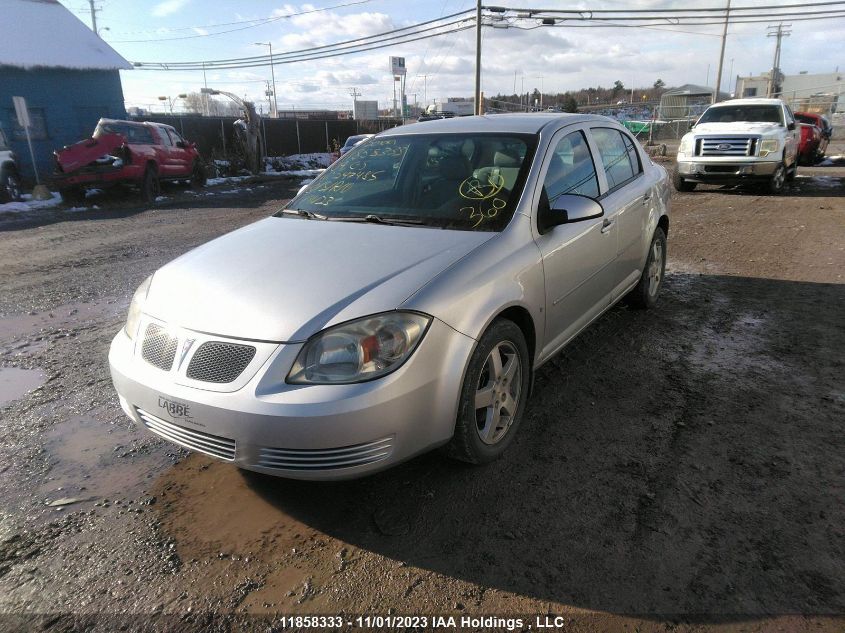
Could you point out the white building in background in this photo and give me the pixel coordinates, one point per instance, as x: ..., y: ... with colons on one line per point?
x: 819, y: 92
x: 365, y: 110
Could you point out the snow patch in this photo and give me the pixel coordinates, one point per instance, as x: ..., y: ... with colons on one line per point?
x: 28, y: 204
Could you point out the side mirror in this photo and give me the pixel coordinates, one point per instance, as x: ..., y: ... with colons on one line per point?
x: 791, y: 126
x: 566, y: 209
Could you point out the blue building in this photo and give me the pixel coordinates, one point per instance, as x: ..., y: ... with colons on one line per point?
x: 67, y: 74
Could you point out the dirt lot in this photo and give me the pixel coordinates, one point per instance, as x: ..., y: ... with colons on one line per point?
x: 680, y: 469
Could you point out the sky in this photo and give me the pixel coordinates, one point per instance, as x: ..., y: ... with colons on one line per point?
x: 554, y: 59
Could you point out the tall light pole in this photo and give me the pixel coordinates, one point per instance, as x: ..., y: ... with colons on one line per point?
x: 541, y: 77
x: 722, y: 54
x: 273, y: 76
x: 478, y: 108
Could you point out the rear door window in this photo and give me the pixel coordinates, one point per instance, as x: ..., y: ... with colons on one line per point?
x: 618, y: 156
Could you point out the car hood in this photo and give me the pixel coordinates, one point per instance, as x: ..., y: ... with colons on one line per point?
x: 737, y: 127
x: 284, y: 279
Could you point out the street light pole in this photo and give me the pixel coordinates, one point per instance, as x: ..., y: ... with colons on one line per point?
x: 478, y: 108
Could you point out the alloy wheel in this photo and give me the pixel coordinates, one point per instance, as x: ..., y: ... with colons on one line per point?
x: 498, y: 393
x: 655, y: 268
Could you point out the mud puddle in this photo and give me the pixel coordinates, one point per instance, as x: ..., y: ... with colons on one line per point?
x: 16, y: 383
x: 95, y: 462
x: 66, y: 316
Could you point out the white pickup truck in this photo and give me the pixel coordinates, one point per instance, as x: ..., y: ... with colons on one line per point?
x: 10, y: 178
x: 738, y: 141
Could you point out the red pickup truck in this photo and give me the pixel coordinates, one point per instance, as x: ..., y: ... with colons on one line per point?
x: 127, y: 152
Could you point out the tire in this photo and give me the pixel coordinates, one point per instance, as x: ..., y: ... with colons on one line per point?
x: 483, y: 433
x: 645, y: 293
x: 198, y: 176
x: 777, y: 181
x: 10, y: 187
x: 681, y: 184
x: 73, y: 196
x: 791, y: 173
x: 150, y: 185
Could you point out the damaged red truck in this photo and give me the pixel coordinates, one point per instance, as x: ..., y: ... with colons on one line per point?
x: 127, y: 153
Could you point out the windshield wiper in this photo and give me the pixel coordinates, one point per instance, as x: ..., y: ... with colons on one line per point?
x: 310, y: 215
x: 377, y: 219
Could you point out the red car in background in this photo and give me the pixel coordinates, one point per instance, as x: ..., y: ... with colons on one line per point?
x: 130, y: 153
x: 816, y: 131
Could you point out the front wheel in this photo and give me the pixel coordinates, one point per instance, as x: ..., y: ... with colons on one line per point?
x: 644, y: 294
x: 150, y: 186
x: 777, y: 180
x: 493, y: 395
x: 681, y: 184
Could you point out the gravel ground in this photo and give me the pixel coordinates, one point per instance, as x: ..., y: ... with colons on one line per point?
x: 678, y: 469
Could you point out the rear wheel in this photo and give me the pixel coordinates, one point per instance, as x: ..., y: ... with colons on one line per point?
x: 644, y: 294
x: 198, y: 176
x: 73, y: 195
x: 493, y: 395
x: 150, y: 185
x: 681, y: 184
x: 10, y: 187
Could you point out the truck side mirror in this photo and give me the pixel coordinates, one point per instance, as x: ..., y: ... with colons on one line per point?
x: 791, y: 126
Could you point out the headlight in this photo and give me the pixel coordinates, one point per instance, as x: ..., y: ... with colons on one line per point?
x: 769, y: 146
x: 686, y: 145
x: 360, y: 350
x: 134, y: 316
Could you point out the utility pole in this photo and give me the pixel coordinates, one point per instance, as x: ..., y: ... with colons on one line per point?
x: 541, y: 77
x: 425, y: 88
x: 779, y: 33
x: 93, y: 16
x: 353, y: 92
x: 478, y: 107
x: 722, y: 54
x: 275, y: 108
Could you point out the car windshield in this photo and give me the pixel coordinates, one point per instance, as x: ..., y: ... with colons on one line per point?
x: 742, y: 113
x: 459, y: 181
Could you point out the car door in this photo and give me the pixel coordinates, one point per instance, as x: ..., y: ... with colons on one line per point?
x: 181, y: 157
x: 577, y: 257
x: 167, y: 167
x: 626, y: 200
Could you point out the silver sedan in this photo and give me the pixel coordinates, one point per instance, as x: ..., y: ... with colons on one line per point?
x: 400, y: 302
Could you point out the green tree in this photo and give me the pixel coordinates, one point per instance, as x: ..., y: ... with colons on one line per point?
x: 659, y: 84
x: 618, y: 87
x: 570, y: 104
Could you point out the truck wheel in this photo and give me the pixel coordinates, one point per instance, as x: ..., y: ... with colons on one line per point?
x: 681, y: 184
x: 198, y: 176
x: 73, y: 196
x: 777, y: 181
x: 10, y: 187
x: 150, y: 186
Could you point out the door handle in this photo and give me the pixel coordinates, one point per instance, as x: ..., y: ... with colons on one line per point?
x: 606, y: 225
x: 646, y: 198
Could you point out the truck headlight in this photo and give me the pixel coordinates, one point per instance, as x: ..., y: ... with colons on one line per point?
x: 686, y: 146
x: 135, y: 308
x: 359, y: 350
x: 769, y: 146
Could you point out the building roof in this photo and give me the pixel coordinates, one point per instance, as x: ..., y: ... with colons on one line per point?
x: 47, y: 35
x: 516, y: 123
x: 689, y: 89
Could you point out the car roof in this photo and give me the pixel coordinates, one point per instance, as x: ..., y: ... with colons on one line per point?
x: 514, y: 123
x: 749, y: 101
x: 138, y: 123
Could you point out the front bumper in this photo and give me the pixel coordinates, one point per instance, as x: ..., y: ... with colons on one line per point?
x: 726, y: 171
x: 319, y: 432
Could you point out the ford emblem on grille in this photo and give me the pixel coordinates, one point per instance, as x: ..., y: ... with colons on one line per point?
x: 723, y: 147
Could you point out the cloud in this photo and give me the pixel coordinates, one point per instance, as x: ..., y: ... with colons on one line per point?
x: 168, y: 7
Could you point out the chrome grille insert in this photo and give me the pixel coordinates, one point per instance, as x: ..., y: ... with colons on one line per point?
x: 199, y: 441
x: 159, y: 348
x: 725, y: 146
x: 219, y: 362
x: 325, y: 459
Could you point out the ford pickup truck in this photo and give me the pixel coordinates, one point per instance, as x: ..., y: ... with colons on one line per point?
x: 129, y: 153
x: 737, y: 142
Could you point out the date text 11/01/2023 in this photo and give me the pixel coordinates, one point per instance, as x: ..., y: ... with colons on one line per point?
x: 539, y: 622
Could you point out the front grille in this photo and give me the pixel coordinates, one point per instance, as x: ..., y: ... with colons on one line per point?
x: 726, y: 146
x: 213, y: 445
x: 159, y: 347
x: 219, y: 362
x: 325, y: 459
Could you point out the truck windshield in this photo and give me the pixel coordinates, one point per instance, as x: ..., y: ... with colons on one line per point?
x: 458, y: 181
x: 742, y: 113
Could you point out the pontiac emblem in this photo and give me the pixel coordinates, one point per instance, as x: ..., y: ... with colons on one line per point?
x: 186, y: 347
